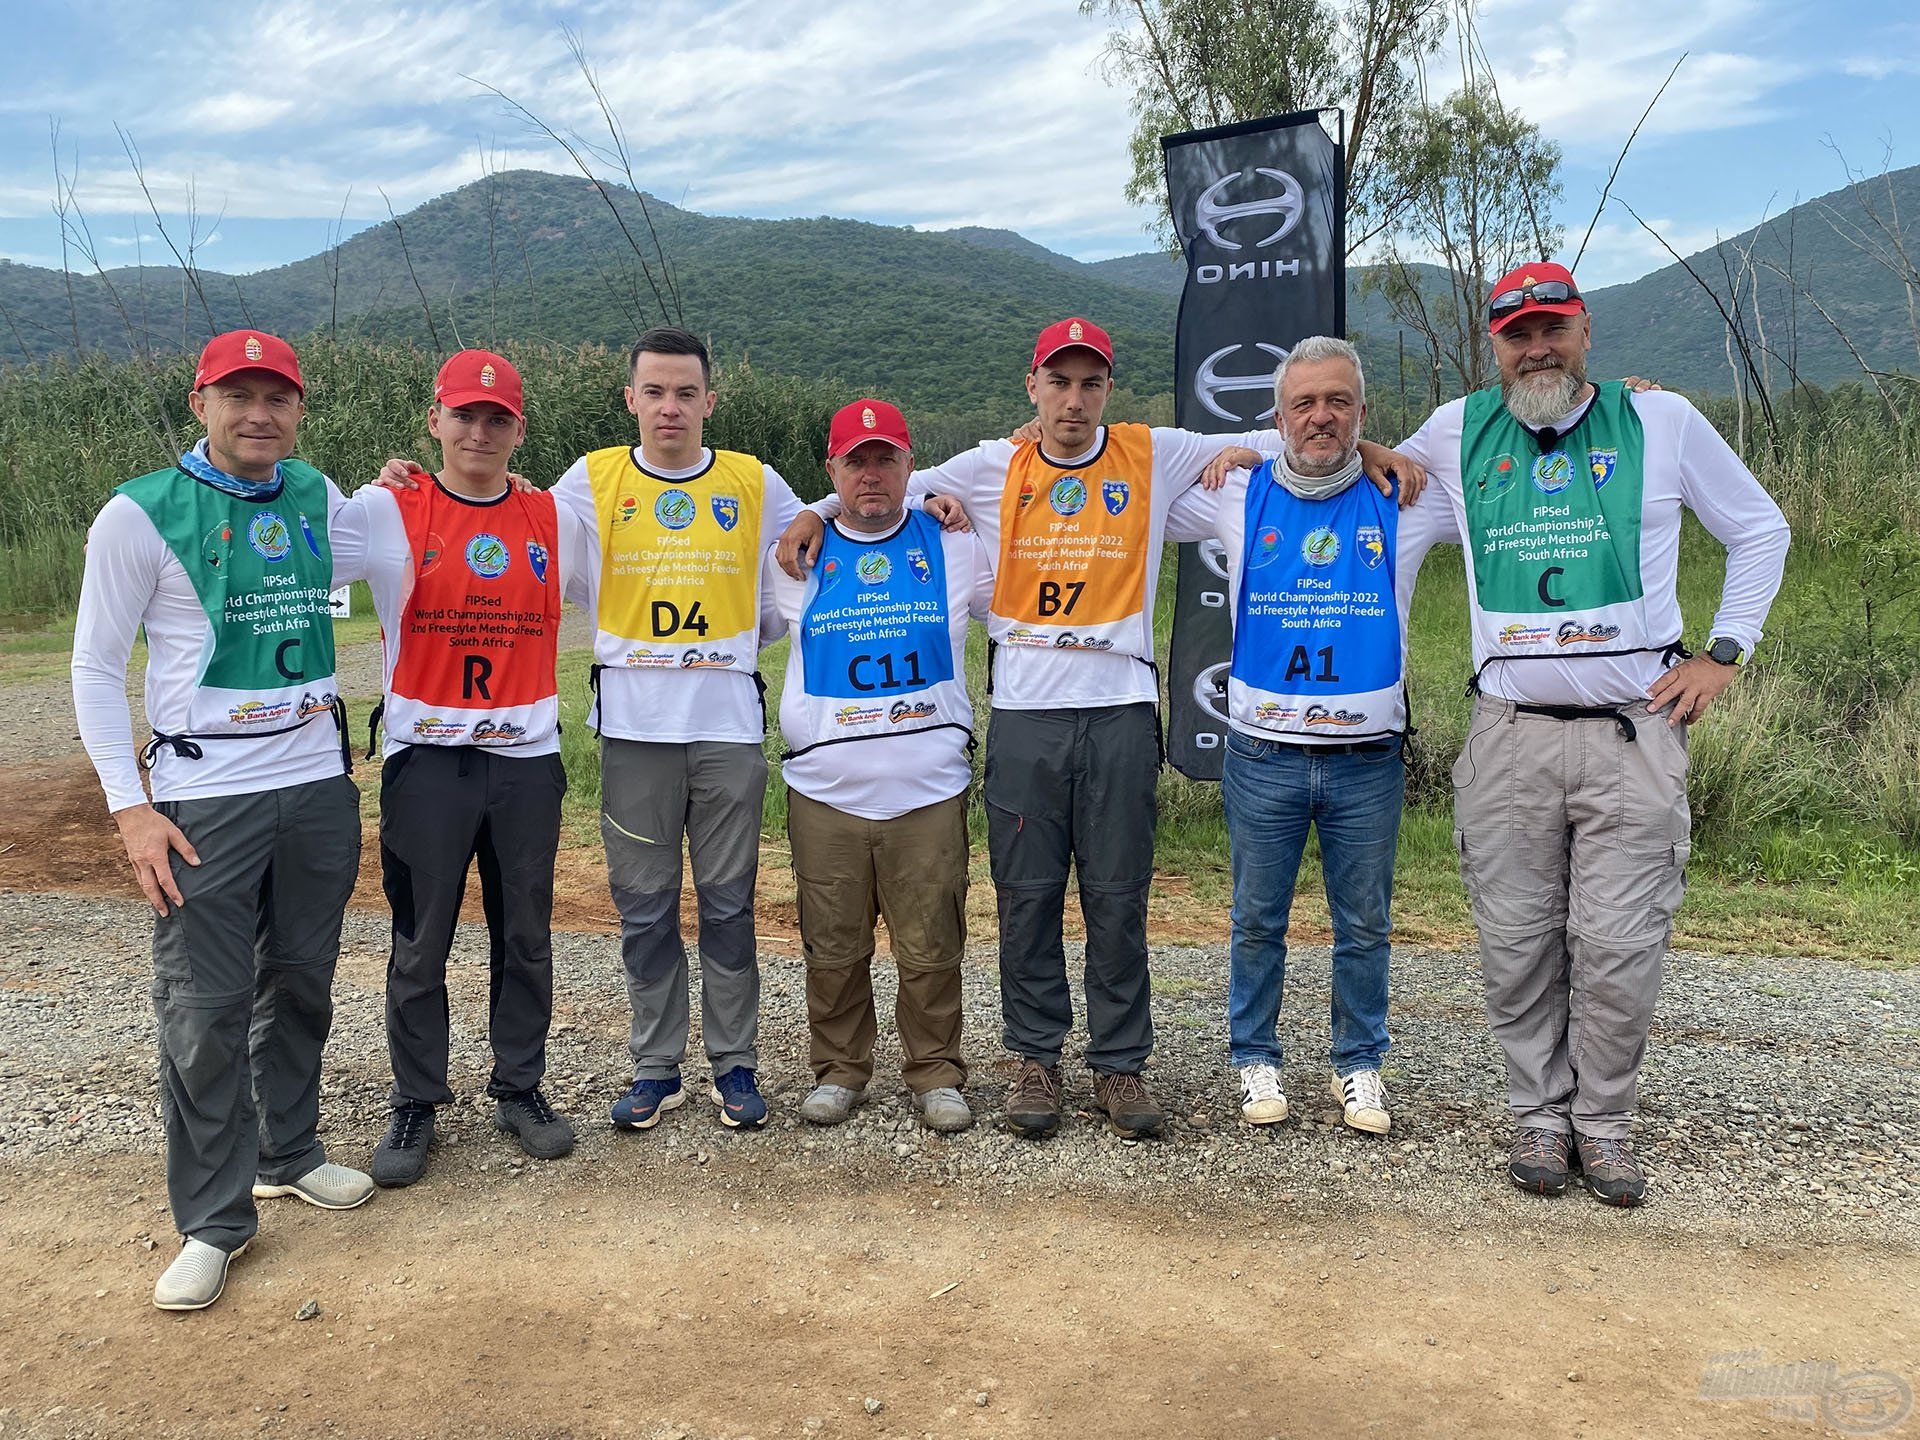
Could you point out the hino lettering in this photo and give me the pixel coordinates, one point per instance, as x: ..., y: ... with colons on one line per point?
x: 1245, y: 270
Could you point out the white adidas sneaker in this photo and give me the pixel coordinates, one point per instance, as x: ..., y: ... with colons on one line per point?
x: 1364, y: 1099
x: 195, y: 1278
x: 1261, y: 1102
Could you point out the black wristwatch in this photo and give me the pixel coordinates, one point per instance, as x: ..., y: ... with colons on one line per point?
x: 1726, y: 652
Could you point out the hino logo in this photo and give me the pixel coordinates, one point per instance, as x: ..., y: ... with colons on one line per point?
x: 1209, y: 383
x: 1289, y: 204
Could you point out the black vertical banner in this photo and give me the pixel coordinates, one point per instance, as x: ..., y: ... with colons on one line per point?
x: 1260, y: 209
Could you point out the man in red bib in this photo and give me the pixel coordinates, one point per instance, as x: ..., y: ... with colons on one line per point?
x: 467, y: 574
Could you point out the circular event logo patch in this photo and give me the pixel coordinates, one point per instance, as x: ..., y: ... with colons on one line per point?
x: 269, y: 536
x: 1552, y: 472
x: 873, y: 568
x: 1321, y: 547
x: 675, y: 509
x: 1068, y: 496
x: 488, y: 556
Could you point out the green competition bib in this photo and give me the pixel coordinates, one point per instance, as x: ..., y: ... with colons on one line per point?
x: 262, y: 570
x: 1553, y: 537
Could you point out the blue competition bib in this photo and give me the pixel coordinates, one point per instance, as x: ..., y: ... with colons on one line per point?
x: 1316, y: 633
x: 874, y: 624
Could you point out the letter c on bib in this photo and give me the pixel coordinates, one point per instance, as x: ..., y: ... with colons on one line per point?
x: 1547, y: 597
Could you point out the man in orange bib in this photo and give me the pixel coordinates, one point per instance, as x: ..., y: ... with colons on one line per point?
x: 467, y: 574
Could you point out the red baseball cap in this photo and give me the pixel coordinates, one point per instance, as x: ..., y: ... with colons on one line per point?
x: 247, y: 350
x: 1069, y: 334
x: 473, y: 376
x: 866, y: 420
x: 1521, y: 280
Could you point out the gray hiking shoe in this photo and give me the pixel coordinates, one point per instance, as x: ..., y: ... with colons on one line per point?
x: 1538, y: 1160
x: 401, y: 1156
x: 542, y: 1133
x: 830, y: 1104
x: 195, y: 1278
x: 331, y: 1187
x: 944, y: 1110
x: 1610, y: 1171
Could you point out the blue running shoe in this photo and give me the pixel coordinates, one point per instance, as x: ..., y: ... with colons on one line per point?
x: 641, y: 1107
x: 739, y: 1098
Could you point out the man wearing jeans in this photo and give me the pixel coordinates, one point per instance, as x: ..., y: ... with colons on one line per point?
x: 1316, y: 716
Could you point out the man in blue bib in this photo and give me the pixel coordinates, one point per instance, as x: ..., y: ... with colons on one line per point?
x: 1316, y: 718
x: 878, y: 724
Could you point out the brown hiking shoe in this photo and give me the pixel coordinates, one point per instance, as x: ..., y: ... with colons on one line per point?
x: 1538, y: 1160
x: 1611, y: 1172
x: 1033, y: 1101
x: 1131, y: 1112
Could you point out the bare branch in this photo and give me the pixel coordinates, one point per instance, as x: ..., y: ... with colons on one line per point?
x: 425, y: 306
x: 1620, y: 159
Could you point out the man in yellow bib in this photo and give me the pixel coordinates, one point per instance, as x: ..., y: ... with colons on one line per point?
x: 682, y: 528
x: 1074, y: 521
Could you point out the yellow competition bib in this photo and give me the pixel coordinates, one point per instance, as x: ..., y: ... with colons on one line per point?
x: 680, y: 563
x: 1073, y: 548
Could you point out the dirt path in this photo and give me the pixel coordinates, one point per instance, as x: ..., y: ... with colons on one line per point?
x: 564, y: 1302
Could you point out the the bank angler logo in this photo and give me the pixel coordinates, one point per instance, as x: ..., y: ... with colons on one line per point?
x: 1024, y: 635
x: 1854, y: 1402
x: 1071, y: 641
x: 705, y: 659
x: 259, y: 712
x: 856, y: 715
x: 1573, y: 632
x: 1523, y: 634
x: 644, y: 657
x: 1285, y: 203
x: 268, y: 536
x: 1068, y: 496
x: 726, y: 511
x: 1271, y: 712
x: 675, y: 509
x: 432, y: 727
x: 497, y: 732
x: 1209, y: 384
x: 1372, y: 541
x: 1321, y: 715
x: 1321, y: 547
x: 873, y: 568
x: 488, y: 556
x: 311, y: 705
x: 1114, y: 494
x: 1553, y: 472
x: 911, y: 710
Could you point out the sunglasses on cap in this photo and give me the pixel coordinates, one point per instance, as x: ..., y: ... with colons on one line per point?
x: 1541, y: 292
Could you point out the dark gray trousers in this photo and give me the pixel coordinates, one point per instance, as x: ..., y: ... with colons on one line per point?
x: 441, y: 808
x: 651, y: 794
x: 1074, y: 787
x: 243, y: 994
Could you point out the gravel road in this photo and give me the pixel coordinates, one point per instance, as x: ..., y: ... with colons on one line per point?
x: 1779, y: 1102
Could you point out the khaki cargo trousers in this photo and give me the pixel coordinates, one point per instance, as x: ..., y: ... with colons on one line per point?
x: 1573, y: 844
x: 913, y: 870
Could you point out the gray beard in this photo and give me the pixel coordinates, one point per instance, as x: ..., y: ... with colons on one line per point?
x: 1535, y: 402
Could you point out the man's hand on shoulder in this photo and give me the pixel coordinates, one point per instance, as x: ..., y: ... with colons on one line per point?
x: 948, y: 510
x: 150, y: 838
x: 398, y: 474
x: 1640, y: 386
x: 1234, y: 457
x: 1382, y: 464
x: 799, y: 544
x: 1027, y: 434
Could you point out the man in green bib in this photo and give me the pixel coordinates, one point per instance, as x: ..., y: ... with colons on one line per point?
x: 251, y: 843
x: 1570, y: 794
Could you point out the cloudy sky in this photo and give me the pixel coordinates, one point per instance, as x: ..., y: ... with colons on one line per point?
x: 981, y: 112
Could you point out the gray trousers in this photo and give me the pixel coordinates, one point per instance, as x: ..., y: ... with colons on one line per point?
x: 441, y: 808
x: 1573, y: 844
x: 243, y: 994
x: 711, y: 792
x: 1074, y: 787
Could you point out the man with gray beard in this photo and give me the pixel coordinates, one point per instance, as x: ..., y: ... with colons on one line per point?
x: 1570, y: 796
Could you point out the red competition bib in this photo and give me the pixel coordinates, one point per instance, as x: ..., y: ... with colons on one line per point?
x: 480, y: 626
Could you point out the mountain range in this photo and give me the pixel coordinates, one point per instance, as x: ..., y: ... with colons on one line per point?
x: 940, y: 319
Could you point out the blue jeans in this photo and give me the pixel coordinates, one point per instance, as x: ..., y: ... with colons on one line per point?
x: 1273, y: 791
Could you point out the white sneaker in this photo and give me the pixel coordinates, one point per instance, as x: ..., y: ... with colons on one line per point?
x: 944, y: 1110
x: 1364, y: 1099
x: 331, y: 1187
x: 1261, y: 1102
x: 195, y: 1278
x: 830, y: 1104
